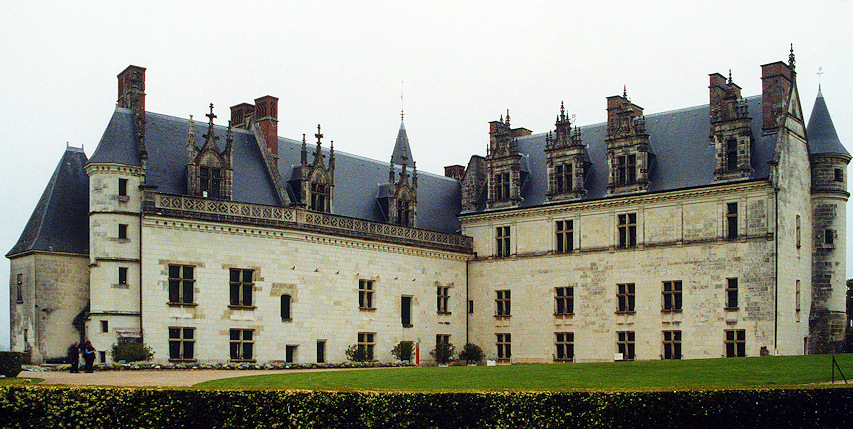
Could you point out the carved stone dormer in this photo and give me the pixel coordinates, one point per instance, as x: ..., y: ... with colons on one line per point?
x: 565, y: 154
x: 628, y: 155
x: 318, y: 179
x: 403, y: 194
x: 209, y: 170
x: 504, y: 165
x: 730, y: 133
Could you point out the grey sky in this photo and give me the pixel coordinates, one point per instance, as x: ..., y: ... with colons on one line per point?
x: 341, y: 64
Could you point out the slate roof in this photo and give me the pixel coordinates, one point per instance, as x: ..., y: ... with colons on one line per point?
x: 60, y: 221
x: 357, y: 179
x: 821, y: 131
x: 682, y: 155
x: 401, y: 145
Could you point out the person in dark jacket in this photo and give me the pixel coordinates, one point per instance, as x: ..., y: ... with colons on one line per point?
x: 89, y: 355
x: 74, y: 357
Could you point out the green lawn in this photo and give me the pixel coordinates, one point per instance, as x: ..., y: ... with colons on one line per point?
x: 698, y: 373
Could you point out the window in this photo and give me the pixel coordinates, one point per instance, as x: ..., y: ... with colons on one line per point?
x: 319, y: 196
x: 442, y: 339
x: 625, y: 344
x: 20, y: 289
x: 672, y: 344
x: 839, y: 175
x: 736, y: 343
x: 731, y: 154
x: 504, y: 344
x: 102, y: 357
x: 626, y: 170
x: 731, y: 294
x: 625, y: 298
x: 442, y: 296
x: 289, y: 353
x: 565, y: 346
x: 501, y: 186
x: 563, y: 178
x: 565, y: 236
x: 122, y: 187
x: 366, y: 341
x: 828, y: 236
x: 404, y: 213
x: 564, y: 300
x: 242, y: 344
x: 798, y: 231
x: 406, y: 311
x: 797, y: 300
x: 321, y: 351
x: 731, y: 221
x: 672, y: 296
x: 365, y: 294
x: 181, y: 343
x: 241, y: 287
x: 210, y: 182
x: 285, y: 308
x: 627, y: 230
x: 181, y: 284
x: 470, y: 305
x: 122, y: 275
x: 502, y: 241
x: 502, y: 303
x: 122, y: 231
x: 105, y: 326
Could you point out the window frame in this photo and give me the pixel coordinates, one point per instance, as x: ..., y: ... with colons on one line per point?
x: 243, y: 346
x: 182, y: 341
x: 19, y: 293
x: 731, y: 154
x: 122, y: 231
x: 503, y: 303
x: 122, y: 187
x: 626, y: 342
x: 564, y: 343
x: 732, y: 298
x: 626, y: 298
x: 181, y: 284
x: 838, y: 175
x: 626, y: 224
x: 286, y: 307
x: 735, y: 342
x: 366, y: 290
x: 210, y: 182
x: 563, y: 178
x: 122, y: 275
x: 732, y: 227
x: 503, y: 344
x: 367, y: 341
x: 564, y: 301
x: 503, y: 241
x: 320, y: 197
x: 565, y: 235
x: 442, y: 299
x: 241, y: 292
x: 672, y: 344
x: 671, y: 293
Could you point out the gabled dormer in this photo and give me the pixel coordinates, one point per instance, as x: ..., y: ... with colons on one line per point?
x: 565, y: 154
x: 628, y: 155
x: 503, y: 162
x: 318, y: 179
x: 209, y: 171
x: 730, y: 132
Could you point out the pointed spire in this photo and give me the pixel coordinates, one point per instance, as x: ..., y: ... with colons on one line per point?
x: 730, y: 76
x: 191, y: 133
x: 304, y: 153
x: 819, y: 72
x: 624, y: 91
x: 402, y: 151
x: 507, y: 117
x: 791, y: 61
x: 210, y: 135
x: 821, y: 131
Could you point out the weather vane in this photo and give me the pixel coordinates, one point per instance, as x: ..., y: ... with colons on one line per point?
x: 819, y: 72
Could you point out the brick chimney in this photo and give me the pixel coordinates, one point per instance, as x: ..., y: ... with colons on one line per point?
x: 131, y: 92
x: 621, y: 113
x: 776, y: 82
x: 266, y: 116
x: 241, y: 115
x: 454, y: 171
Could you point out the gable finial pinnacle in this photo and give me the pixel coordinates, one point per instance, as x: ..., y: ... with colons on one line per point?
x: 625, y: 91
x: 562, y: 111
x: 401, y: 102
x: 507, y: 117
x: 211, y: 115
x: 319, y: 135
x: 792, y: 62
x: 730, y: 76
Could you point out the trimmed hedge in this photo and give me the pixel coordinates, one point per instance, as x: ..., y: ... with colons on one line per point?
x: 36, y: 407
x: 10, y: 363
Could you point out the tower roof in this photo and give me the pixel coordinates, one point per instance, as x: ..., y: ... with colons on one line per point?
x: 402, y: 152
x: 821, y: 131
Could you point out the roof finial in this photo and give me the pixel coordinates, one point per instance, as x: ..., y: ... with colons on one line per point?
x: 562, y: 111
x: 211, y: 115
x: 319, y: 135
x: 507, y: 117
x: 819, y: 72
x: 791, y: 61
x: 624, y: 91
x: 730, y: 76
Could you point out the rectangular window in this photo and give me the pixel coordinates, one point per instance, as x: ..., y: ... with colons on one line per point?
x: 736, y: 343
x: 406, y: 311
x: 181, y: 344
x: 731, y: 221
x: 122, y: 187
x: 502, y: 303
x: 289, y: 354
x: 321, y: 351
x: 241, y: 287
x: 319, y: 196
x: 565, y: 343
x: 102, y: 357
x: 797, y: 300
x: 731, y: 294
x: 626, y: 170
x: 839, y: 175
x: 122, y: 231
x: 731, y: 154
x: 563, y: 178
x: 285, y: 308
x: 181, y: 284
x: 564, y: 300
x: 470, y: 305
x: 122, y: 275
x: 565, y: 236
x: 798, y: 231
x: 502, y: 241
x: 672, y: 296
x: 210, y: 182
x: 242, y: 344
x: 20, y: 288
x: 828, y: 236
x: 672, y: 344
x: 625, y: 298
x: 625, y: 344
x: 365, y: 294
x: 442, y: 296
x: 105, y: 326
x: 404, y: 213
x: 442, y: 339
x: 501, y: 186
x: 366, y: 342
x: 504, y: 345
x: 627, y: 230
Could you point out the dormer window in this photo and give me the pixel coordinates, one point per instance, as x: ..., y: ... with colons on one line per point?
x: 317, y: 179
x: 319, y: 197
x: 210, y: 182
x: 563, y: 178
x: 209, y: 170
x: 501, y: 186
x: 626, y: 167
x: 404, y: 213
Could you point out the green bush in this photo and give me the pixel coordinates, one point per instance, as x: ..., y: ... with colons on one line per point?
x: 471, y: 353
x: 357, y: 353
x: 403, y: 350
x: 132, y: 352
x: 10, y: 363
x: 443, y: 352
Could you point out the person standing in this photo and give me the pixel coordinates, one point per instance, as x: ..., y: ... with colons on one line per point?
x: 89, y: 356
x: 74, y: 357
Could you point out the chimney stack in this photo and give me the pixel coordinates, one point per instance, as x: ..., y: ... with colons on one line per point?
x: 454, y: 171
x: 131, y: 92
x: 776, y: 82
x: 241, y: 115
x: 266, y: 116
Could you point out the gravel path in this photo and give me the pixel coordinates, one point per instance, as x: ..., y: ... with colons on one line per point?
x: 150, y: 377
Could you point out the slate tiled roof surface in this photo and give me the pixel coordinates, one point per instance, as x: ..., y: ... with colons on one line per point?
x: 821, y: 131
x: 60, y: 221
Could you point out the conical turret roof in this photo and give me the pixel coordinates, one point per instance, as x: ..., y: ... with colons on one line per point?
x: 402, y: 152
x: 821, y: 131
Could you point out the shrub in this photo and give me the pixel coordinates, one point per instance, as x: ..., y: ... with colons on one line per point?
x: 132, y: 352
x: 471, y: 353
x: 443, y: 352
x: 357, y: 353
x: 403, y: 350
x: 10, y: 363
